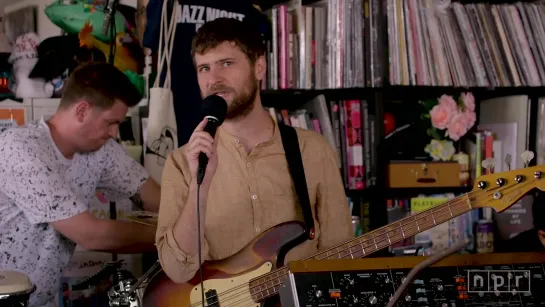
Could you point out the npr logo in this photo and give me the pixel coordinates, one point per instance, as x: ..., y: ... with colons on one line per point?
x: 498, y: 281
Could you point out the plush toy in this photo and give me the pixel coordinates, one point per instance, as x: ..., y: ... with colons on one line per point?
x: 124, y: 59
x: 23, y: 57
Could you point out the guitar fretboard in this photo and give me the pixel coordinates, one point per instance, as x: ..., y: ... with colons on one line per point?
x: 269, y: 284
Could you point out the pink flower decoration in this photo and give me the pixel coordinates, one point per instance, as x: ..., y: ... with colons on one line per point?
x: 457, y: 127
x: 448, y: 102
x: 471, y: 117
x: 441, y: 114
x: 469, y: 101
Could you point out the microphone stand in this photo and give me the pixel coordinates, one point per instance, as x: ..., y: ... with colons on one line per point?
x: 200, y: 176
x: 112, y: 30
x: 422, y: 265
x: 112, y: 11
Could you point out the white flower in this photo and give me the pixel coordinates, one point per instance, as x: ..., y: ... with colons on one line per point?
x: 440, y: 150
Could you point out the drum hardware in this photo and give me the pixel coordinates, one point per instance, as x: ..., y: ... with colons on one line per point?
x: 108, y: 270
x: 15, y: 289
x: 128, y: 291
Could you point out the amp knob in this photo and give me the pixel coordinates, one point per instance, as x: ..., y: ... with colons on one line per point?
x: 373, y: 300
x: 440, y: 287
x: 408, y: 298
x: 318, y: 293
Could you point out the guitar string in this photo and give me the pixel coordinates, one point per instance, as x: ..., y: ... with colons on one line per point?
x: 358, y: 245
x: 244, y: 287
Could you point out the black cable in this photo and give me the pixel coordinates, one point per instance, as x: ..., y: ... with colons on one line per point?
x: 422, y: 265
x: 199, y: 239
x: 113, y: 33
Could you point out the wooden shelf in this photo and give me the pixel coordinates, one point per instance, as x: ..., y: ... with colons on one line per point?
x: 511, y: 90
x: 293, y: 98
x: 412, y: 192
x: 406, y: 192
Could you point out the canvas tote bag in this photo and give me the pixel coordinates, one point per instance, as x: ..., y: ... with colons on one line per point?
x: 161, y: 136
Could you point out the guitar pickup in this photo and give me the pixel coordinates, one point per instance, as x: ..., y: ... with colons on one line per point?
x: 211, y: 298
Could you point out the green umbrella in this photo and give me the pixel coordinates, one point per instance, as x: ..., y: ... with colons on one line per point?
x: 72, y: 17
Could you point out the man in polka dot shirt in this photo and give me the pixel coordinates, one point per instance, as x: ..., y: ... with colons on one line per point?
x: 51, y: 169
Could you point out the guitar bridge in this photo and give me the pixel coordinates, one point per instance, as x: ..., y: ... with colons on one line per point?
x: 211, y: 297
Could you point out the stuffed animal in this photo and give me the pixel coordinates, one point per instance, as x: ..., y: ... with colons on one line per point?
x: 23, y: 57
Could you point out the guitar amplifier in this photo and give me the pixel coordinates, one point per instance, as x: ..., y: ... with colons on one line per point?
x: 511, y: 279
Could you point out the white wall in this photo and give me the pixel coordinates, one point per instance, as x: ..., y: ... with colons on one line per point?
x: 45, y: 27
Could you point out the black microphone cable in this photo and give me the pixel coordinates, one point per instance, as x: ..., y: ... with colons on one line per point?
x: 199, y: 238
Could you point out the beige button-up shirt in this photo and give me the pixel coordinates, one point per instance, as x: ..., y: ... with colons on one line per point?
x: 249, y: 194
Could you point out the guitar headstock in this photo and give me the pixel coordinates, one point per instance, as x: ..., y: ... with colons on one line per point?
x: 501, y: 190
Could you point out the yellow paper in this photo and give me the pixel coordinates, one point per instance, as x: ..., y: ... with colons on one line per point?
x: 419, y: 204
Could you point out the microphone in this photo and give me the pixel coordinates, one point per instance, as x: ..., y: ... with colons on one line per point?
x: 109, y: 12
x: 214, y: 108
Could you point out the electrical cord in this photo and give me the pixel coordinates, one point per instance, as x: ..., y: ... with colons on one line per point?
x: 199, y: 239
x: 113, y: 34
x: 422, y: 265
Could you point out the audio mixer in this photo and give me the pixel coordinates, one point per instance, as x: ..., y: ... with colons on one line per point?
x: 459, y: 280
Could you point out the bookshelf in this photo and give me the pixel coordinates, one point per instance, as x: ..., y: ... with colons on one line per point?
x: 493, y: 62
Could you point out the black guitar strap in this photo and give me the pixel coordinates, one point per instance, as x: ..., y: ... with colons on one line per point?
x: 295, y: 164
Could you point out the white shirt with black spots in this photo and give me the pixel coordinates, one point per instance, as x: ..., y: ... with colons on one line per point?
x: 39, y: 185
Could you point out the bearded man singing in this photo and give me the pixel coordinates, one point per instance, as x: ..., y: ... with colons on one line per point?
x: 247, y: 187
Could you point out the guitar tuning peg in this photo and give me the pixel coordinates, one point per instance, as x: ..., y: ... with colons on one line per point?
x: 489, y: 164
x: 526, y: 157
x: 508, y: 161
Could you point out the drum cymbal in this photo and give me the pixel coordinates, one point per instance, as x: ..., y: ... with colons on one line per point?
x: 143, y: 217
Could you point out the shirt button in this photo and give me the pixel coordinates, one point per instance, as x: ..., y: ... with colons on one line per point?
x: 237, y: 141
x: 254, y: 196
x: 248, y: 164
x: 257, y: 229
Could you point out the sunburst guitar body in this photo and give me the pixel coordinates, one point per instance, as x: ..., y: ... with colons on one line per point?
x: 256, y: 273
x: 228, y: 282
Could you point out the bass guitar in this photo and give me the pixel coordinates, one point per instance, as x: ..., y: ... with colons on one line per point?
x: 256, y: 273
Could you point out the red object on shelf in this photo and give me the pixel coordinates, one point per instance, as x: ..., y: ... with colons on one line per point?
x: 389, y: 123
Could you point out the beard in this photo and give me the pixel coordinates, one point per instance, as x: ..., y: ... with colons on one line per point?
x: 242, y: 103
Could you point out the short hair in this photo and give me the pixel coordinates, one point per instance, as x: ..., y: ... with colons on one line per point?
x: 538, y: 211
x: 100, y: 84
x: 244, y: 34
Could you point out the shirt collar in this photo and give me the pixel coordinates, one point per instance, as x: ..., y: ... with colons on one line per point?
x: 275, y: 141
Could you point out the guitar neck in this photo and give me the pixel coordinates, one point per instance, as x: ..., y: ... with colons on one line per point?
x: 400, y: 230
x: 269, y: 284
